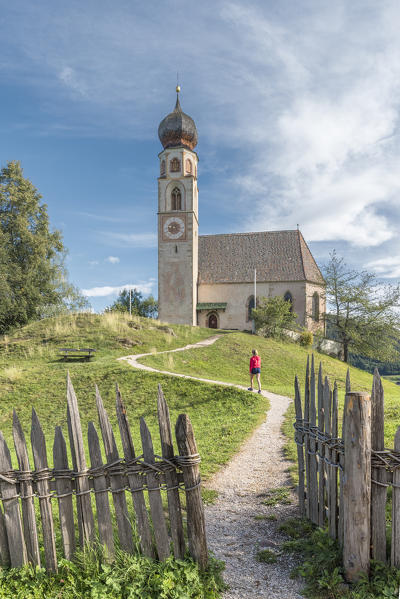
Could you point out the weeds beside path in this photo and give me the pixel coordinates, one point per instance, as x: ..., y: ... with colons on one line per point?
x: 254, y: 497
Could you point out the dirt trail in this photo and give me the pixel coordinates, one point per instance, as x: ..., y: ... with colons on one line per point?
x: 233, y: 532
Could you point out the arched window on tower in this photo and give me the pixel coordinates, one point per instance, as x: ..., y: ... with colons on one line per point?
x: 289, y: 298
x: 315, y: 306
x: 176, y: 199
x: 162, y: 168
x: 188, y: 166
x: 175, y: 165
x: 250, y: 306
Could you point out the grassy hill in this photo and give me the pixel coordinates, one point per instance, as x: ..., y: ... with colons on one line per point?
x: 32, y: 375
x: 228, y: 358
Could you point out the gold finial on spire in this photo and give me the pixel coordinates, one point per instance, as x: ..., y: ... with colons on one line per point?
x: 178, y: 87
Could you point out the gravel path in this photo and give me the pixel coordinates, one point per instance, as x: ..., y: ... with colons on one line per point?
x: 233, y: 532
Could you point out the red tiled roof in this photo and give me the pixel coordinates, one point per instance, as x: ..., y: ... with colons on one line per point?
x: 277, y: 256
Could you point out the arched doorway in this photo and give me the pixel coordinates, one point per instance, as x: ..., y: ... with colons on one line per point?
x: 212, y: 321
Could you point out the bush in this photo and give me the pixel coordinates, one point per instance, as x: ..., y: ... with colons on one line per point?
x: 273, y: 316
x: 306, y: 338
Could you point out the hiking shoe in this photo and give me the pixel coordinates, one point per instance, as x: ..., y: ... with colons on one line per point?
x: 259, y: 391
x: 250, y: 389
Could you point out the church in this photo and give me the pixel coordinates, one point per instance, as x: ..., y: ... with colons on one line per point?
x: 208, y: 280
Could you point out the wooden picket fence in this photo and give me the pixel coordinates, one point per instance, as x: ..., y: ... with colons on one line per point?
x: 343, y: 481
x: 134, y: 475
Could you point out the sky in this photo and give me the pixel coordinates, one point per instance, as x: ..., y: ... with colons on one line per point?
x: 296, y: 104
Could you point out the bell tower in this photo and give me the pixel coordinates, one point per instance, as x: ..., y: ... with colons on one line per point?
x: 178, y: 219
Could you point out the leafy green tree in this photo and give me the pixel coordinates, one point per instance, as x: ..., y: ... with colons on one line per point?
x: 31, y: 255
x: 273, y: 315
x: 147, y: 307
x: 363, y: 311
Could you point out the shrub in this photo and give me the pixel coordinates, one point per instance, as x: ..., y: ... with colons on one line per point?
x: 273, y: 316
x: 306, y: 338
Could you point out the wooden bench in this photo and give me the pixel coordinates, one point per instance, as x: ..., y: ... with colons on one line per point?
x: 71, y: 352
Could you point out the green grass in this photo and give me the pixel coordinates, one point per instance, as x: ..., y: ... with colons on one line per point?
x: 129, y: 577
x: 267, y: 556
x: 32, y: 375
x: 277, y: 496
x: 228, y: 360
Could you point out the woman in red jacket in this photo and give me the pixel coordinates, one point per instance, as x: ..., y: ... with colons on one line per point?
x: 255, y: 369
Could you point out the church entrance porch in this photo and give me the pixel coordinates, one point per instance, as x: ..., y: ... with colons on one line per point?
x: 212, y: 321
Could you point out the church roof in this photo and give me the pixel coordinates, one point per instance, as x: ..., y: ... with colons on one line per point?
x: 178, y: 129
x: 277, y: 256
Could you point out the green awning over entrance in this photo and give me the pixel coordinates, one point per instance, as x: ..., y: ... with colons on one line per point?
x: 212, y: 306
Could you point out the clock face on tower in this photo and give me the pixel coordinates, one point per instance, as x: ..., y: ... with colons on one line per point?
x: 174, y: 227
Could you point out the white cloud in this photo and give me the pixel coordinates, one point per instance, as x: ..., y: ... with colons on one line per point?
x: 143, y: 286
x: 93, y: 262
x: 70, y: 78
x: 112, y: 259
x: 388, y: 268
x: 308, y: 98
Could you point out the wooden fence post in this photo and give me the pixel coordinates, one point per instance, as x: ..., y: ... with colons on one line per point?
x: 101, y: 493
x: 357, y: 484
x: 321, y: 463
x: 194, y: 504
x: 299, y: 438
x: 43, y: 487
x: 83, y: 499
x: 117, y: 478
x: 155, y: 499
x: 64, y: 493
x: 395, y: 554
x: 378, y: 492
x: 171, y: 477
x: 12, y: 516
x: 26, y: 492
x: 135, y: 480
x: 313, y: 491
x: 307, y: 436
x: 333, y: 478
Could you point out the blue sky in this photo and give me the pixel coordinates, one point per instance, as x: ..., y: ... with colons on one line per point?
x: 296, y: 104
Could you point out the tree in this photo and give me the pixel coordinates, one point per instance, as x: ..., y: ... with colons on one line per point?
x: 362, y: 311
x: 31, y: 255
x: 273, y: 315
x: 147, y: 307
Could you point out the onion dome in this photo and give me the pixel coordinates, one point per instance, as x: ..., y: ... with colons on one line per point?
x: 178, y: 129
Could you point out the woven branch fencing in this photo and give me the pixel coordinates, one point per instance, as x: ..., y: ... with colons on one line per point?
x: 343, y: 481
x: 120, y: 478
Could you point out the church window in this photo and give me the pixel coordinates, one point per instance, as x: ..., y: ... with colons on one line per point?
x: 289, y: 298
x: 175, y: 165
x: 315, y: 307
x: 188, y: 166
x: 250, y: 306
x: 162, y: 168
x: 176, y: 199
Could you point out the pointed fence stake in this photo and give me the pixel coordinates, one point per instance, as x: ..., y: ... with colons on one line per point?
x: 194, y: 504
x: 64, y: 493
x: 299, y: 438
x: 26, y: 492
x: 171, y: 477
x: 43, y: 487
x: 83, y: 499
x: 135, y: 480
x: 101, y: 493
x: 117, y: 478
x: 12, y: 516
x: 153, y: 486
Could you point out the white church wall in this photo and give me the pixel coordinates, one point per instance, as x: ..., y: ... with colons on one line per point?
x: 236, y: 296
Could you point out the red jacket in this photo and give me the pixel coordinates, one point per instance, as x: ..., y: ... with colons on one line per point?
x: 255, y: 362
